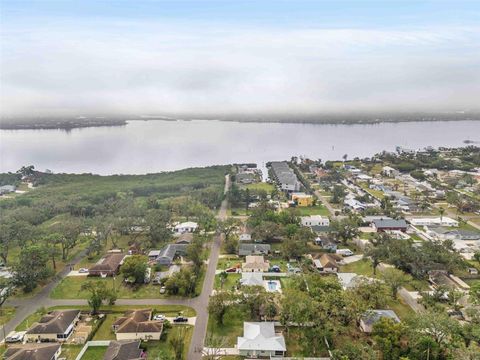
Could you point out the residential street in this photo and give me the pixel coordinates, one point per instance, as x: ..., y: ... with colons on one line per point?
x: 201, y: 305
x: 27, y: 306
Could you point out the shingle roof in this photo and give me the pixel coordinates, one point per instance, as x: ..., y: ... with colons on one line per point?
x: 260, y: 336
x: 247, y: 249
x: 31, y: 352
x: 123, y: 350
x: 252, y: 279
x: 390, y: 223
x: 137, y: 321
x: 110, y: 262
x: 55, y: 322
x: 170, y: 250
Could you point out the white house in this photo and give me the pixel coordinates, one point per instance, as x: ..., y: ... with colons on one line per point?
x: 186, y: 227
x: 389, y: 171
x: 315, y: 220
x: 57, y: 325
x: 436, y: 221
x: 252, y: 279
x: 245, y: 237
x: 260, y: 340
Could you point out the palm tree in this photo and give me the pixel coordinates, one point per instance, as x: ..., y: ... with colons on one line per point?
x: 441, y: 211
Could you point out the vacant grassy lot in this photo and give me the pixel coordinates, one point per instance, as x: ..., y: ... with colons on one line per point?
x: 312, y: 210
x: 163, y: 350
x: 70, y: 288
x: 230, y: 282
x: 296, y: 345
x: 231, y: 328
x: 261, y: 186
x: 360, y: 267
x: 364, y: 267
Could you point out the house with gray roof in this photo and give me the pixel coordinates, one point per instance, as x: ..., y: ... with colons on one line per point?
x: 6, y: 189
x: 285, y: 176
x: 260, y: 340
x: 442, y: 233
x: 253, y: 249
x: 382, y: 225
x: 50, y: 351
x: 57, y: 325
x: 169, y: 252
x: 124, y: 350
x: 372, y: 316
x: 251, y: 279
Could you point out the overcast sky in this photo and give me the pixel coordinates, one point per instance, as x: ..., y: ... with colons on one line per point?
x: 156, y: 57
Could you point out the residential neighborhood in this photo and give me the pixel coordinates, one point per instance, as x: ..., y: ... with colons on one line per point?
x: 317, y: 260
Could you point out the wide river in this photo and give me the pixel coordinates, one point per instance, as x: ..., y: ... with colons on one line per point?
x: 153, y: 146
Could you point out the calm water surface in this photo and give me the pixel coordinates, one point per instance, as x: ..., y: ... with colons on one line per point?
x: 152, y: 146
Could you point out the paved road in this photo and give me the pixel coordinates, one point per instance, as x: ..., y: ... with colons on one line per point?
x: 200, y: 304
x: 325, y: 203
x: 25, y: 307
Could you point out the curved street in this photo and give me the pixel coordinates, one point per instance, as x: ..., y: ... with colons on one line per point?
x: 25, y: 307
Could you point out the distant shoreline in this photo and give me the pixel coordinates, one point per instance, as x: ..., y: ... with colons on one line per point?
x: 77, y: 123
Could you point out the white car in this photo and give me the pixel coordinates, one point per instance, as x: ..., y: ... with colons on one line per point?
x: 15, y: 338
x: 83, y: 270
x: 159, y: 317
x: 163, y: 289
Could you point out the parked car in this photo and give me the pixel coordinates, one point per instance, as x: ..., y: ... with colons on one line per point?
x: 344, y: 252
x: 180, y: 319
x: 274, y: 268
x: 83, y: 270
x: 159, y: 317
x: 231, y: 270
x: 163, y: 289
x: 15, y: 338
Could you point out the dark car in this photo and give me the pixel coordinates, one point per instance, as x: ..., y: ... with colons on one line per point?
x: 274, y: 268
x: 180, y: 319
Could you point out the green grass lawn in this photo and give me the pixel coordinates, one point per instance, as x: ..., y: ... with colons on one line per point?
x: 6, y: 314
x: 312, y: 210
x: 260, y: 186
x: 162, y: 349
x: 70, y: 352
x: 364, y: 267
x: 360, y: 267
x: 105, y: 332
x: 70, y: 288
x: 279, y: 262
x: 225, y: 263
x: 296, y: 345
x: 94, y: 353
x: 232, y: 326
x: 401, y: 309
x: 238, y: 211
x: 230, y: 282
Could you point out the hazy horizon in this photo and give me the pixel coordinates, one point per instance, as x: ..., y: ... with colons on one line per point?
x: 223, y: 57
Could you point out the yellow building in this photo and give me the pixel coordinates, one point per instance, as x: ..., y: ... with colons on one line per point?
x: 302, y: 199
